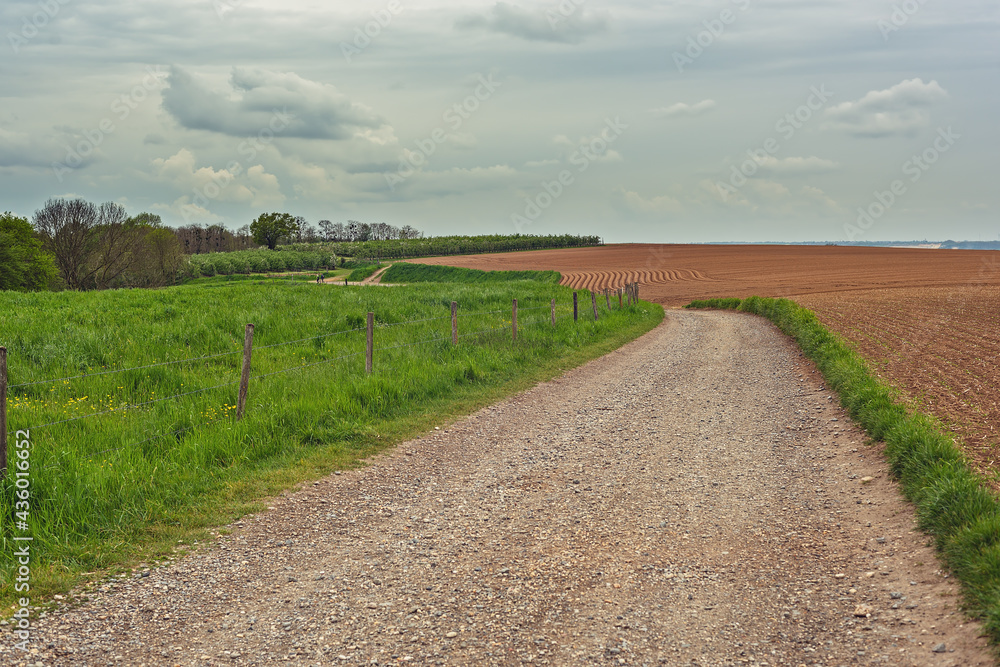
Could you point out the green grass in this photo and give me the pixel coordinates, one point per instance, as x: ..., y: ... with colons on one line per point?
x: 108, y: 491
x: 360, y: 273
x: 951, y: 503
x: 405, y: 272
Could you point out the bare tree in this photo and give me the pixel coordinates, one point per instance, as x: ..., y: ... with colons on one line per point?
x: 93, y: 246
x: 338, y: 232
x: 325, y: 230
x: 66, y: 228
x: 117, y: 241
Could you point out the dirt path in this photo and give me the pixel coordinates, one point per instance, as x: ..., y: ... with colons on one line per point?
x: 694, y: 498
x: 375, y: 278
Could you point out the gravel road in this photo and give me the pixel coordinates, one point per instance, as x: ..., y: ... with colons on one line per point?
x: 694, y: 498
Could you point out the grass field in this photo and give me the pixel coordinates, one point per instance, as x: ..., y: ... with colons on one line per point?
x: 138, y: 447
x: 405, y: 272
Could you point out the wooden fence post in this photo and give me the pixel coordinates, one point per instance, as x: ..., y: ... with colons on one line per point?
x: 593, y: 303
x: 553, y: 312
x: 513, y: 321
x: 3, y: 412
x: 619, y: 298
x: 370, y: 343
x: 607, y: 298
x: 576, y: 310
x: 454, y: 322
x: 241, y: 402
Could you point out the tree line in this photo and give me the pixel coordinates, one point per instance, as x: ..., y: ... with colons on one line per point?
x: 451, y: 245
x: 79, y: 245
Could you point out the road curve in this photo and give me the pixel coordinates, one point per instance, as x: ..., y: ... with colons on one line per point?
x: 694, y: 498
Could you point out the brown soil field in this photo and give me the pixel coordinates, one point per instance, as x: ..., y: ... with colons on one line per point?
x: 939, y: 346
x: 926, y: 320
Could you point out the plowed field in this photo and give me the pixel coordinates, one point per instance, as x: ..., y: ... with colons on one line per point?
x: 939, y: 346
x: 927, y: 320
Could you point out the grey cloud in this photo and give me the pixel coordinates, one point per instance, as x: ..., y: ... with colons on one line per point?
x: 566, y: 22
x: 901, y: 109
x: 312, y: 110
x: 17, y: 149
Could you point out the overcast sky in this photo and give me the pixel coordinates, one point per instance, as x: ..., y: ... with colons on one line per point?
x: 637, y: 120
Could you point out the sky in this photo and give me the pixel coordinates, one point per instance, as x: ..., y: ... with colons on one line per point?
x: 638, y: 121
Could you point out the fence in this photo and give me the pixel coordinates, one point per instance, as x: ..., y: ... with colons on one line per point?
x: 627, y: 295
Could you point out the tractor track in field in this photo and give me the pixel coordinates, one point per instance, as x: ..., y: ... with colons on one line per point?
x: 694, y: 498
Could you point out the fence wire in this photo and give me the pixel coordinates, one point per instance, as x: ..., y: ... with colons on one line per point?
x: 127, y: 407
x: 123, y: 370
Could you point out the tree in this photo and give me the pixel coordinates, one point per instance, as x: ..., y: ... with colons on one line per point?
x: 338, y: 232
x: 157, y: 258
x: 24, y: 265
x: 93, y: 245
x: 146, y: 220
x: 325, y: 230
x: 269, y: 228
x: 66, y: 227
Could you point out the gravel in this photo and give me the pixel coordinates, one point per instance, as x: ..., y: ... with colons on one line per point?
x: 694, y: 498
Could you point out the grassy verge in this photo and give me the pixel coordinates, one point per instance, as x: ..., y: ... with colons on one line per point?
x: 951, y: 504
x: 359, y: 274
x: 150, y: 463
x: 405, y: 272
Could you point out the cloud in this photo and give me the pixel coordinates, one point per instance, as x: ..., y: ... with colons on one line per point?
x: 901, y: 109
x: 457, y: 181
x: 594, y: 148
x: 556, y: 24
x: 18, y: 149
x: 253, y: 187
x: 797, y: 165
x: 282, y: 103
x: 682, y: 109
x: 636, y: 203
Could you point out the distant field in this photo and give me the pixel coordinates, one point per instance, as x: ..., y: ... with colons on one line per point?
x: 673, y: 275
x: 927, y: 320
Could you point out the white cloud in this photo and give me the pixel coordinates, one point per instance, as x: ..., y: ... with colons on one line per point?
x: 552, y: 24
x: 254, y: 187
x: 901, y: 109
x: 273, y: 103
x: 682, y: 109
x: 592, y: 148
x: 797, y: 165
